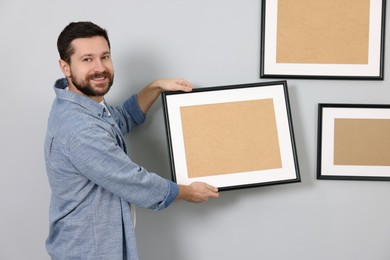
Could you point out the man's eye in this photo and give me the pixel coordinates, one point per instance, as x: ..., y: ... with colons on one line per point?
x: 87, y: 59
x: 106, y: 57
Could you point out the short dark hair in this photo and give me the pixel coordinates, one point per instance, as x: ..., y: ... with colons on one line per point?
x: 74, y: 31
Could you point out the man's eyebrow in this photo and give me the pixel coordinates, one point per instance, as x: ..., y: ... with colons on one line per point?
x: 86, y: 55
x: 91, y: 55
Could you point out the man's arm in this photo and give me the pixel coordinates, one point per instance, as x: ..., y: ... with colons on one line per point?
x: 151, y: 92
x: 197, y: 192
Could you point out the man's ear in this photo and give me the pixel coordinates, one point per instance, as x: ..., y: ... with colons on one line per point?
x: 64, y: 67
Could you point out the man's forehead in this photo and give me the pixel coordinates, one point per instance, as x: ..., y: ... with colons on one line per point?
x: 91, y: 45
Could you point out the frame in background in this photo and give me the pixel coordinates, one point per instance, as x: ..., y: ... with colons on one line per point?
x: 353, y: 142
x: 322, y: 39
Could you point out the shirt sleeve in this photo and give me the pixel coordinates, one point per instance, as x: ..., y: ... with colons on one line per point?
x: 128, y: 115
x: 97, y: 156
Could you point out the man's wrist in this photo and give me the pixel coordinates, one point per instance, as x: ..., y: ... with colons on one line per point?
x: 183, y: 192
x: 156, y: 86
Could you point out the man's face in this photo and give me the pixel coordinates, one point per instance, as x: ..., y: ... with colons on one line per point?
x: 91, y: 71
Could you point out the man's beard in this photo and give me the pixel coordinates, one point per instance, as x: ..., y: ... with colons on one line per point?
x: 86, y: 88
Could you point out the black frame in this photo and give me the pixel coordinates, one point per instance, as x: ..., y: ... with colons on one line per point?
x: 379, y: 74
x: 352, y: 175
x: 220, y: 90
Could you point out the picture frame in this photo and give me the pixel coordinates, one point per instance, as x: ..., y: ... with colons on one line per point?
x: 232, y: 137
x: 323, y: 39
x: 353, y: 142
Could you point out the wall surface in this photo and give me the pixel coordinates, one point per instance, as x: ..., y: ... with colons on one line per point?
x: 210, y: 43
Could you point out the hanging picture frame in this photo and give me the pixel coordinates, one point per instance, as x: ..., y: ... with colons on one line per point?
x: 323, y: 39
x: 232, y: 137
x: 353, y: 142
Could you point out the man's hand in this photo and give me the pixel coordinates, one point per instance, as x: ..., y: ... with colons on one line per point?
x: 197, y: 192
x: 150, y: 93
x: 172, y: 85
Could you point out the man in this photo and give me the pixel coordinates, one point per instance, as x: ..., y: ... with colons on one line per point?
x: 94, y: 183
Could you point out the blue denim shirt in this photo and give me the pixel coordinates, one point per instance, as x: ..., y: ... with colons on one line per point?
x: 93, y: 181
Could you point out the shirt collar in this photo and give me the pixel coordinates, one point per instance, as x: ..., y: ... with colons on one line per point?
x: 86, y: 102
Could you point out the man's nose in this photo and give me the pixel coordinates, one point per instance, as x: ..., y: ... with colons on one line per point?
x: 99, y: 65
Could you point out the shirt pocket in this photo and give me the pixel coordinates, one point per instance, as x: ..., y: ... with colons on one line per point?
x: 118, y: 137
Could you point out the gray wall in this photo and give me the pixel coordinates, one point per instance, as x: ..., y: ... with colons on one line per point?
x: 210, y: 43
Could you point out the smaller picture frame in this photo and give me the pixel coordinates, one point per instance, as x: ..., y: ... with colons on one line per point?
x: 323, y: 39
x: 232, y: 137
x: 353, y: 142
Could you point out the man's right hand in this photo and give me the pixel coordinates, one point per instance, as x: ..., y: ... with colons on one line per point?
x: 197, y: 192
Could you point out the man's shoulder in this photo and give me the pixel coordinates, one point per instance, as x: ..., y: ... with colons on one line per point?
x: 68, y: 118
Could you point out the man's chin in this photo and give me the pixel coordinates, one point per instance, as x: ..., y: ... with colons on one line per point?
x: 100, y: 90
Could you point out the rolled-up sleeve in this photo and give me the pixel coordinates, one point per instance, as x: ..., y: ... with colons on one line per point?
x: 128, y: 115
x: 171, y: 196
